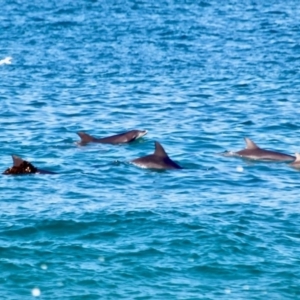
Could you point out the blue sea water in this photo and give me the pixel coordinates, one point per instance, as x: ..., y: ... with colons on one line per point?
x: 199, y: 76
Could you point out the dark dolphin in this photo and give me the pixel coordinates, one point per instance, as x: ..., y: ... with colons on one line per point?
x: 252, y: 151
x: 158, y: 160
x: 125, y: 137
x: 23, y: 167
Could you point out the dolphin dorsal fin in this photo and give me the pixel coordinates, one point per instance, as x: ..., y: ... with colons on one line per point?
x: 297, y: 157
x: 250, y: 144
x: 85, y: 138
x: 159, y: 150
x: 17, y: 160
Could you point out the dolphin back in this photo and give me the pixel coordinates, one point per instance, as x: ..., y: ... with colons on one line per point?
x: 85, y: 138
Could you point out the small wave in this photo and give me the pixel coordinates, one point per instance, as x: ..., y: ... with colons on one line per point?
x: 227, y: 153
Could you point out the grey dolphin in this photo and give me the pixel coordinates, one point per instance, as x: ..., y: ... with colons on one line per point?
x: 296, y: 163
x: 158, y: 160
x: 125, y: 137
x: 21, y: 166
x: 252, y: 151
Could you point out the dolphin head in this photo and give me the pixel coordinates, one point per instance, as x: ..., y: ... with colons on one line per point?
x: 296, y: 163
x: 136, y: 134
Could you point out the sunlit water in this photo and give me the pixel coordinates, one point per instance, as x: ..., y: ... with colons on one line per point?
x: 199, y: 76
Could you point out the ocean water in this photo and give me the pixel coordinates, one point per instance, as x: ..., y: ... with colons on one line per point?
x: 199, y: 76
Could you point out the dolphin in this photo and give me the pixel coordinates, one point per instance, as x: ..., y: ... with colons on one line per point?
x: 296, y: 163
x: 125, y: 137
x: 23, y: 167
x: 252, y: 151
x: 158, y: 160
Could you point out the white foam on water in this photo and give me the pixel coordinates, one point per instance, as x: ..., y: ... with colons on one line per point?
x: 240, y: 169
x: 101, y: 258
x: 60, y: 284
x: 36, y: 292
x: 6, y: 61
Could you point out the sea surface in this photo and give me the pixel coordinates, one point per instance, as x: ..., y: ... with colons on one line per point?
x: 199, y: 76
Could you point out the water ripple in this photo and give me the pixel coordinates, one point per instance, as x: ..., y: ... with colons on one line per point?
x: 199, y: 77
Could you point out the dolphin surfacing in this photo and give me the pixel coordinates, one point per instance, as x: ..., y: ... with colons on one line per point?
x: 125, y: 137
x: 254, y: 152
x: 158, y: 160
x: 21, y: 167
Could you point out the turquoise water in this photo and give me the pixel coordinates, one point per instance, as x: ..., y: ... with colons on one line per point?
x: 199, y: 76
